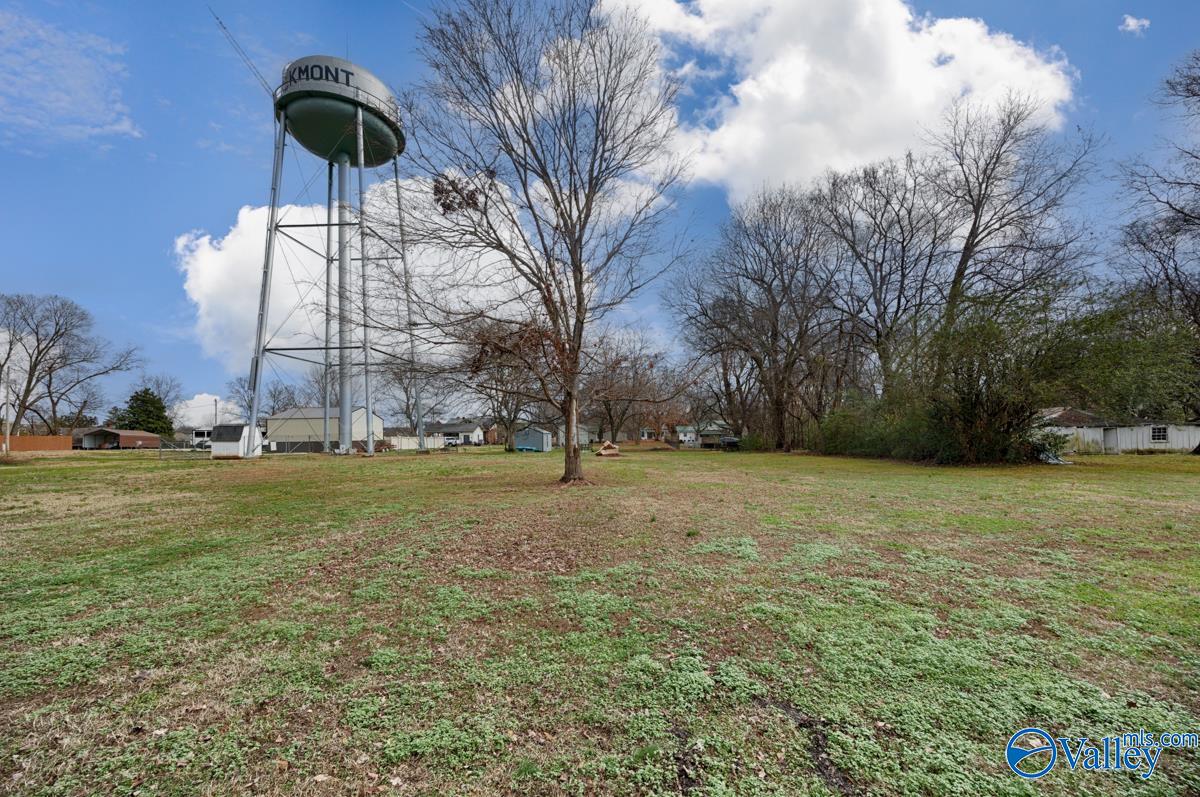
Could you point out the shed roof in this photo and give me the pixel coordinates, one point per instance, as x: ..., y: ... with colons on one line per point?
x: 228, y: 433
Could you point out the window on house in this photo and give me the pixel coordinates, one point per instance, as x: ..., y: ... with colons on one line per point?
x: 1158, y: 434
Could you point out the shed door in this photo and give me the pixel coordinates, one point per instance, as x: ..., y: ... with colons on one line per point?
x: 1110, y: 441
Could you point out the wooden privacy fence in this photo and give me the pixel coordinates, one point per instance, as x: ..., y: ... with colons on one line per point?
x: 39, y: 442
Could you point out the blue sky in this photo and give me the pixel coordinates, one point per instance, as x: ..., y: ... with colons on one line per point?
x: 149, y: 126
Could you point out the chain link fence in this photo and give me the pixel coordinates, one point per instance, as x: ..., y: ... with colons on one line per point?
x: 180, y: 450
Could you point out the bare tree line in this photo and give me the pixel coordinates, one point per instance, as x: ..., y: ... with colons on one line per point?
x: 858, y: 284
x: 54, y: 361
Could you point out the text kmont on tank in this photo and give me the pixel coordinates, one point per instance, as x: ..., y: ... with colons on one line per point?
x: 333, y: 74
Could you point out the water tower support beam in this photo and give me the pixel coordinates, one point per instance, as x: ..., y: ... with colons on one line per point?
x: 345, y: 328
x: 408, y: 308
x: 366, y: 317
x: 264, y: 296
x: 326, y: 387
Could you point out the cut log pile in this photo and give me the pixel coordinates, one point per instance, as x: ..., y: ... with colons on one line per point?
x: 609, y: 449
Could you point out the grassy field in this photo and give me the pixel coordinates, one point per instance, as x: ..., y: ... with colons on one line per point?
x: 691, y: 623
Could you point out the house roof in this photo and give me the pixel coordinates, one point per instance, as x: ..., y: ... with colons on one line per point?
x: 308, y: 413
x: 110, y: 430
x: 1070, y: 417
x: 456, y: 427
x: 228, y: 433
x: 708, y: 428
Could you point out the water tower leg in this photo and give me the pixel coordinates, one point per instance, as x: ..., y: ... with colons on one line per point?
x: 264, y: 295
x: 325, y: 374
x: 362, y: 259
x: 345, y: 330
x: 408, y: 307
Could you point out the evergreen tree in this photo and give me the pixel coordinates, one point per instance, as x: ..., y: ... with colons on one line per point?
x: 146, y: 411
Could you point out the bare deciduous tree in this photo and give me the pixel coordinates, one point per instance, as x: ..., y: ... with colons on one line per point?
x: 1007, y: 181
x: 766, y: 294
x: 277, y: 396
x: 401, y: 384
x: 621, y: 376
x: 1163, y: 244
x: 56, y: 360
x: 894, y: 230
x: 546, y: 129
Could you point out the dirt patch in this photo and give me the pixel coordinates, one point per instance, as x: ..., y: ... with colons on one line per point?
x: 687, y: 768
x: 818, y: 748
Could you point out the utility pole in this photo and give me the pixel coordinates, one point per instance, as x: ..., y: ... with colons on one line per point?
x: 7, y: 439
x: 214, y: 412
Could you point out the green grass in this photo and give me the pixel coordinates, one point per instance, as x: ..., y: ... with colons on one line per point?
x: 689, y: 623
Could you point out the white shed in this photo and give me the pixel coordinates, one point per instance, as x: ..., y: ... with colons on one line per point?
x: 229, y: 441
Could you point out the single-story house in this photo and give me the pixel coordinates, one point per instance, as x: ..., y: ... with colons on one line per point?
x: 462, y: 432
x: 103, y: 437
x: 686, y: 437
x: 532, y: 438
x: 305, y: 425
x: 1088, y: 433
x: 709, y: 435
x: 229, y: 441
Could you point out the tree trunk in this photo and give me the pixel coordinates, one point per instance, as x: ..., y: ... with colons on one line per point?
x: 954, y: 300
x: 572, y: 462
x: 779, y: 421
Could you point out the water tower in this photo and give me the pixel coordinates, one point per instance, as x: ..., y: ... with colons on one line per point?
x: 343, y: 114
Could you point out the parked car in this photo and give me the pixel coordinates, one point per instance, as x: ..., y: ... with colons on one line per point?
x: 730, y: 443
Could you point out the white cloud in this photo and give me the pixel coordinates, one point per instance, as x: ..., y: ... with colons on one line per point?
x: 222, y: 278
x: 836, y: 83
x: 198, y: 410
x: 223, y: 275
x: 58, y: 85
x: 1135, y: 25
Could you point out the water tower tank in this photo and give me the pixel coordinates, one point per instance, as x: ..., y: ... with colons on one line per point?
x: 319, y: 95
